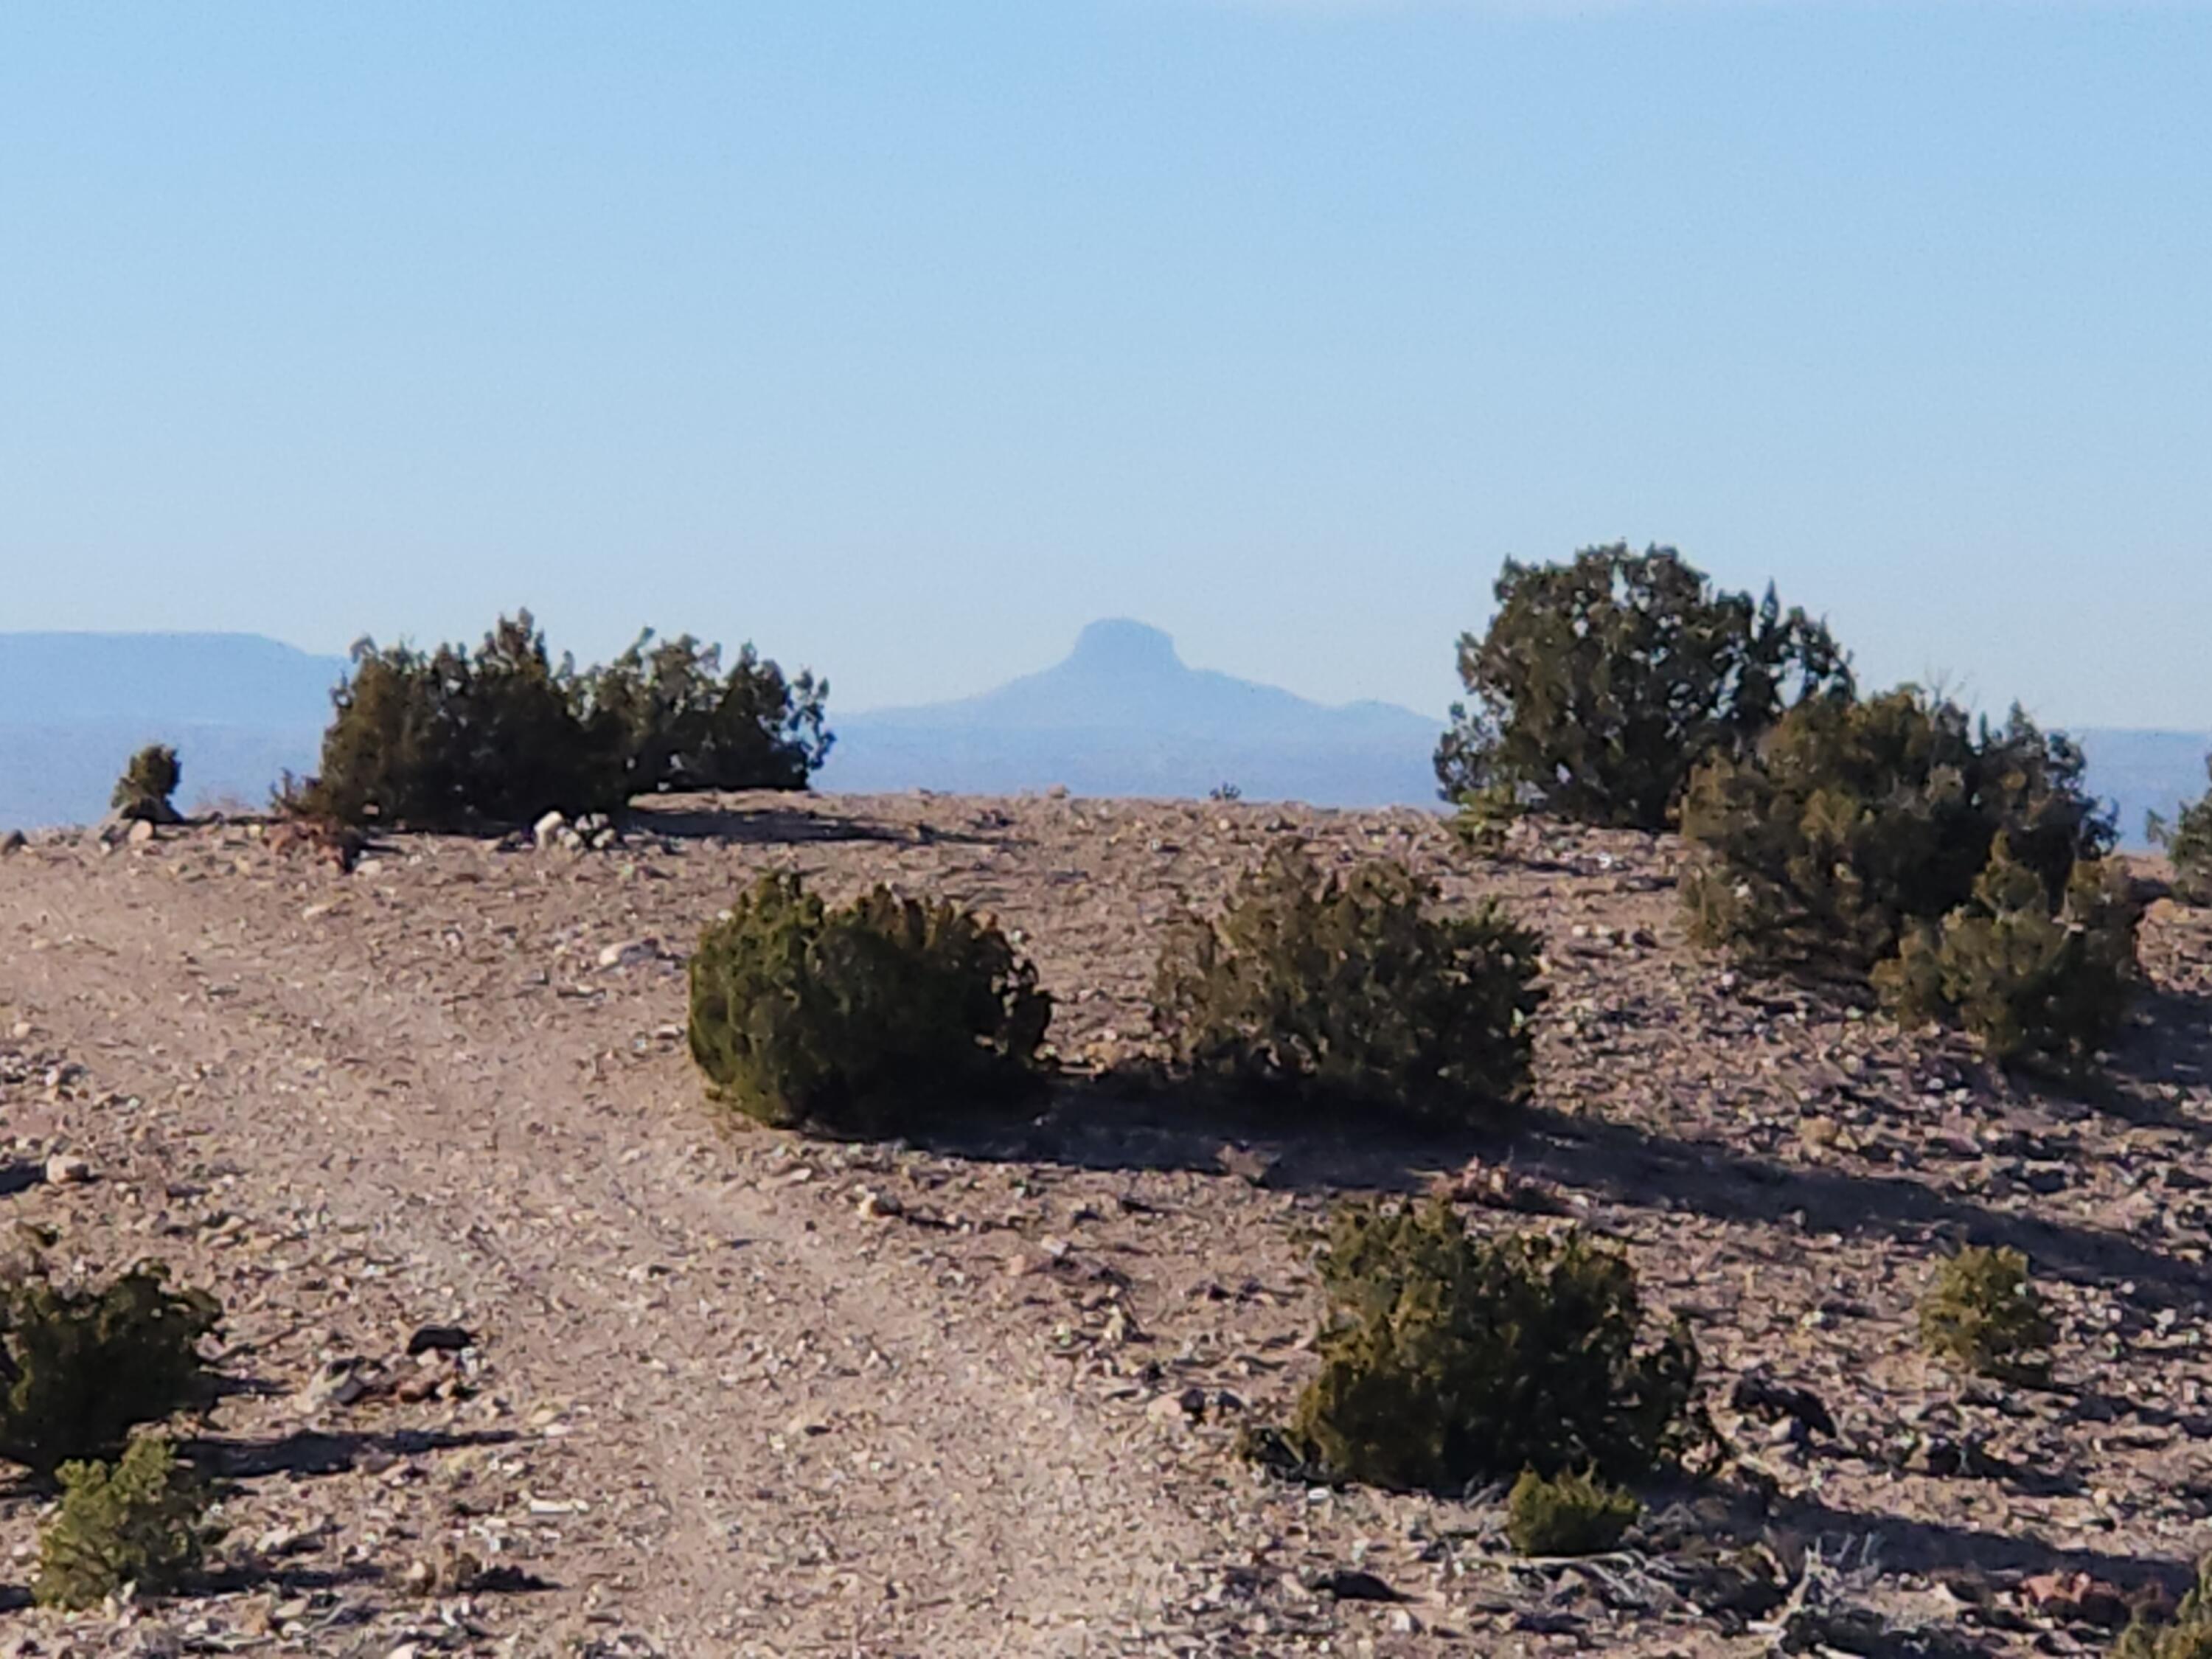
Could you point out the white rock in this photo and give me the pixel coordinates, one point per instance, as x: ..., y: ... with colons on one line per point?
x: 63, y: 1170
x: 547, y: 829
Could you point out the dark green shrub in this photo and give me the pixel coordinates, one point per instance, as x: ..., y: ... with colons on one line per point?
x: 2187, y: 1635
x: 2187, y: 841
x: 1484, y: 817
x: 1569, y: 1514
x: 1603, y: 682
x: 1451, y: 1359
x: 2034, y: 985
x: 1351, y: 988
x: 1981, y: 1313
x: 451, y: 739
x: 685, y: 723
x: 864, y: 1019
x: 81, y: 1367
x: 135, y: 1521
x: 1852, y: 821
x: 147, y: 786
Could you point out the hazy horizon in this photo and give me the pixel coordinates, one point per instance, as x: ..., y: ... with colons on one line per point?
x: 904, y: 342
x: 1120, y: 713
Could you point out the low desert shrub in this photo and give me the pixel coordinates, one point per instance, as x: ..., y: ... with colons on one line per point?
x: 1486, y: 818
x: 1354, y: 989
x: 2034, y: 985
x: 1602, y: 683
x: 1450, y: 1359
x: 1981, y: 1312
x: 861, y: 1019
x: 82, y: 1366
x: 454, y: 739
x: 499, y: 736
x: 1853, y: 821
x: 135, y: 1522
x: 682, y: 722
x: 2186, y: 1635
x: 148, y: 785
x: 2187, y: 841
x: 1567, y: 1514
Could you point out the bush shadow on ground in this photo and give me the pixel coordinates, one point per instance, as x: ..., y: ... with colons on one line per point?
x: 2168, y: 1047
x: 1112, y: 1123
x: 1934, y: 1547
x: 698, y: 819
x: 314, y: 1452
x: 1631, y: 1164
x: 1116, y: 1122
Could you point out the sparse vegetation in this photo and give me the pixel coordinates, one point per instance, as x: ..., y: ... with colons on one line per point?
x: 1451, y: 1359
x: 449, y: 740
x: 1854, y: 821
x: 2187, y: 841
x: 2187, y: 1635
x: 1353, y: 989
x: 454, y: 739
x: 136, y: 1522
x: 81, y: 1367
x: 864, y: 1019
x: 1484, y: 817
x: 2034, y: 984
x: 1981, y: 1312
x: 1603, y: 682
x: 1571, y: 1513
x: 148, y: 787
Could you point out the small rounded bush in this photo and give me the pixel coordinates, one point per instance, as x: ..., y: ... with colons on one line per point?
x: 1570, y: 1514
x: 1351, y: 989
x: 865, y: 1020
x: 135, y: 1520
x: 1981, y: 1313
x: 1853, y: 821
x: 148, y: 782
x: 1452, y: 1359
x: 2187, y: 839
x: 81, y: 1367
x: 2037, y: 986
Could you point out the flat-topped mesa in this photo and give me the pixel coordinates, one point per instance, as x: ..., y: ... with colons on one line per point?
x: 1120, y: 646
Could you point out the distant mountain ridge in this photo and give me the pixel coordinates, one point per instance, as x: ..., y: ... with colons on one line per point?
x: 240, y: 709
x: 1123, y: 715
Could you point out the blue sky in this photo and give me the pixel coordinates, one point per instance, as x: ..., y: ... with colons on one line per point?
x: 906, y: 338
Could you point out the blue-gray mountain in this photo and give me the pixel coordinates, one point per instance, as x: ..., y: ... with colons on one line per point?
x: 239, y: 709
x: 1122, y: 715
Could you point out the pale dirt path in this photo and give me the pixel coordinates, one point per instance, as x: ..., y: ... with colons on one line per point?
x: 792, y: 1452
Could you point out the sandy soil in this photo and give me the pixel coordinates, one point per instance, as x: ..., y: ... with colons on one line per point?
x: 732, y: 1392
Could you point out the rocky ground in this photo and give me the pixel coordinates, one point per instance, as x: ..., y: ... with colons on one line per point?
x: 707, y: 1391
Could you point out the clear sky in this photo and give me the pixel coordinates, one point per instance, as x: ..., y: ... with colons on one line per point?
x: 906, y: 338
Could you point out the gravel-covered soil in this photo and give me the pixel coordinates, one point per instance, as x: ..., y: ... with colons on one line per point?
x: 730, y: 1392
